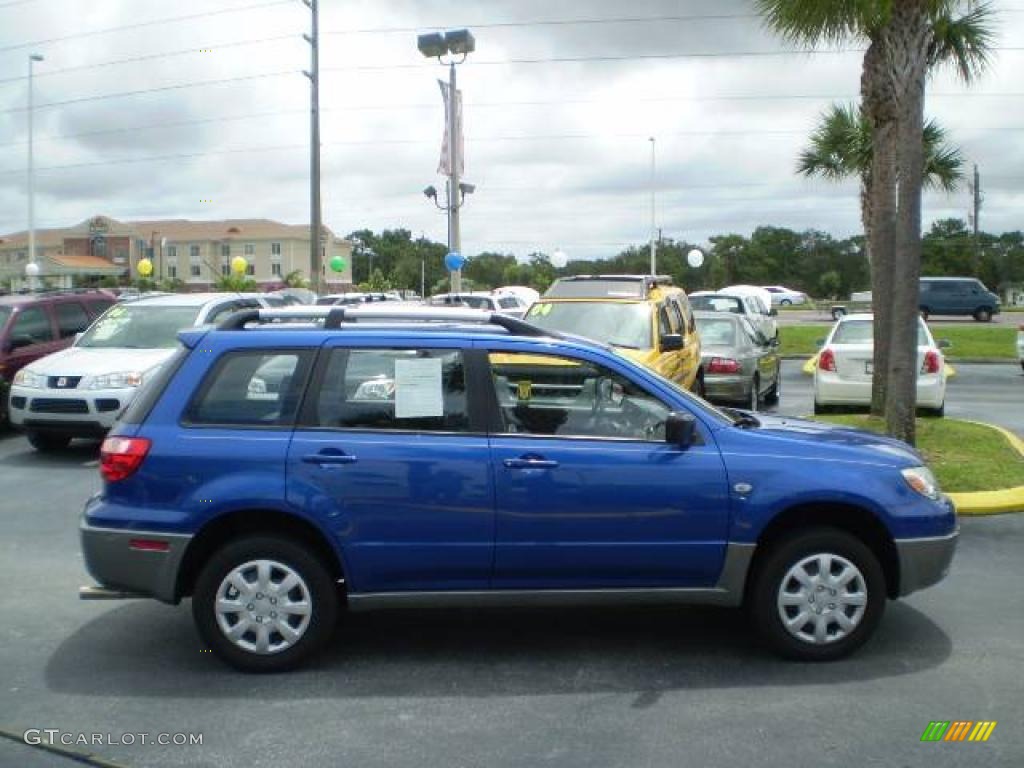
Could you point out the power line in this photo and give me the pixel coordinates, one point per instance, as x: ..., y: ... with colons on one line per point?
x: 149, y: 57
x: 144, y: 24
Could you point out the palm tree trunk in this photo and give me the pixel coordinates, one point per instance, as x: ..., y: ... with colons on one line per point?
x: 879, y: 208
x: 907, y: 52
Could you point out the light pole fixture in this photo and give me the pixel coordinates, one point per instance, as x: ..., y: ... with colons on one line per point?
x: 34, y: 272
x: 315, y: 224
x: 451, y: 48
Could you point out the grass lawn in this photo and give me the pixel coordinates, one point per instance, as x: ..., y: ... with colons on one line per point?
x: 968, y: 341
x: 965, y: 457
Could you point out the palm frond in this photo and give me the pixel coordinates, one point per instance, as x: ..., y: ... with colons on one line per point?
x: 943, y: 163
x: 964, y: 42
x: 810, y: 22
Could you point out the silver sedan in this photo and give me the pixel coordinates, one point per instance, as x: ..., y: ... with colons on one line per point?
x: 740, y: 364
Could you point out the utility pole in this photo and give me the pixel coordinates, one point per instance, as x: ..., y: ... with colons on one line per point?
x: 453, y: 150
x: 976, y: 218
x: 654, y: 244
x: 315, y: 227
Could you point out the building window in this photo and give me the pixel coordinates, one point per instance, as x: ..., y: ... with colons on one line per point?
x: 172, y: 251
x: 194, y: 263
x: 250, y: 249
x: 172, y: 271
x: 225, y: 250
x: 275, y: 268
x: 194, y: 270
x: 193, y: 251
x: 275, y: 249
x: 250, y: 269
x: 225, y: 268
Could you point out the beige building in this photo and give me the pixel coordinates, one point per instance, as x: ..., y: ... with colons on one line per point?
x: 195, y: 252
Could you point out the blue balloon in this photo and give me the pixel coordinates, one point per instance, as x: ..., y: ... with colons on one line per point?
x: 454, y: 261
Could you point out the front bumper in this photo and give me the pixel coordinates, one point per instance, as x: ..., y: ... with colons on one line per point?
x: 114, y: 557
x: 78, y: 412
x: 924, y: 562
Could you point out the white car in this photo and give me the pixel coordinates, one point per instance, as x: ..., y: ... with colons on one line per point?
x: 843, y: 372
x: 504, y: 304
x: 784, y: 296
x: 525, y: 294
x: 1020, y: 345
x: 79, y: 391
x: 760, y: 315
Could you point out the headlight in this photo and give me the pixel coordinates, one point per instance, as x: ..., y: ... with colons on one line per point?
x: 923, y: 481
x: 25, y: 378
x: 125, y: 380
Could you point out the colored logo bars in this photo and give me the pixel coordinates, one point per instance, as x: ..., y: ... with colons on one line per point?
x: 958, y: 730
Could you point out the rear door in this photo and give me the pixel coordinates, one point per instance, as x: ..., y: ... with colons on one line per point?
x: 588, y: 493
x: 389, y: 452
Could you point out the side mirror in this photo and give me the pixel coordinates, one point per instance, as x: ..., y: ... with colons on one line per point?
x: 944, y: 344
x: 670, y: 342
x: 21, y: 341
x: 819, y: 342
x: 680, y: 428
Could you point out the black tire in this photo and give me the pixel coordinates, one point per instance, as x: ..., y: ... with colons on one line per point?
x: 786, y: 303
x: 772, y: 396
x: 766, y: 585
x: 46, y: 442
x: 754, y: 401
x: 983, y: 315
x: 322, y: 596
x: 698, y: 385
x: 819, y: 408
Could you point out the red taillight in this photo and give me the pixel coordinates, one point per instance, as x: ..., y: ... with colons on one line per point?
x: 932, y: 364
x: 827, y: 360
x: 723, y: 365
x: 121, y: 456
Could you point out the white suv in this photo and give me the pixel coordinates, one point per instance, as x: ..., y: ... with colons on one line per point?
x: 79, y: 391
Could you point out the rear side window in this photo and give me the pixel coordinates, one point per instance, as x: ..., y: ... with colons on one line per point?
x: 393, y: 389
x: 254, y: 388
x: 71, y: 319
x: 140, y: 406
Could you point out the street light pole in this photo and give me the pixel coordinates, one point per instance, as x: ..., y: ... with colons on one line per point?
x: 315, y: 225
x: 32, y: 59
x: 654, y: 242
x: 453, y: 149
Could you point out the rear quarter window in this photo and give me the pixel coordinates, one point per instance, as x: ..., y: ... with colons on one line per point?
x: 150, y: 392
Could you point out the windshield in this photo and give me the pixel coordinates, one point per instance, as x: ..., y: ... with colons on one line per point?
x: 5, y: 312
x: 625, y: 325
x: 861, y: 332
x: 716, y: 333
x: 717, y: 304
x: 139, y: 327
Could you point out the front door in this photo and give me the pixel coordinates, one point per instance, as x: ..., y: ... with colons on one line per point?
x: 588, y: 493
x: 386, y: 455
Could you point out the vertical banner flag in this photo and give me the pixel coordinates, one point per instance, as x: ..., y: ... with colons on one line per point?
x: 444, y: 167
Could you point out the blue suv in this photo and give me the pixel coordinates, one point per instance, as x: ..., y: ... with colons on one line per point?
x: 295, y: 461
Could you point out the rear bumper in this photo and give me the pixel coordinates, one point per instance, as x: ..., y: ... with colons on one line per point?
x: 830, y: 389
x: 924, y: 562
x: 728, y: 388
x: 113, y: 558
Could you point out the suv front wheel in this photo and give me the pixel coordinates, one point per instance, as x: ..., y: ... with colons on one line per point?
x: 265, y: 604
x: 818, y: 595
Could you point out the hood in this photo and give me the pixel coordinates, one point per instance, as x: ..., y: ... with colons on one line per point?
x: 836, y: 441
x: 93, y: 361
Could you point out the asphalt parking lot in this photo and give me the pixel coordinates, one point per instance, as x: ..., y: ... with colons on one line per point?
x: 608, y: 687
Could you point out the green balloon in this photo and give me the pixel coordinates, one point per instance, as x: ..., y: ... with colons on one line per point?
x: 338, y: 264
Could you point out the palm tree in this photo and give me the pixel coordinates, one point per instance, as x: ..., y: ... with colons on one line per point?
x: 905, y: 39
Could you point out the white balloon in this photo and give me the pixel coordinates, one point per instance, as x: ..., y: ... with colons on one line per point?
x: 559, y: 259
x: 32, y: 269
x: 695, y: 258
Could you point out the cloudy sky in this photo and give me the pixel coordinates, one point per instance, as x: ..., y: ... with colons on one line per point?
x: 198, y: 109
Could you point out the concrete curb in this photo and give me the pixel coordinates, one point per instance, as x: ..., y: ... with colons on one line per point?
x: 971, y: 360
x: 992, y: 502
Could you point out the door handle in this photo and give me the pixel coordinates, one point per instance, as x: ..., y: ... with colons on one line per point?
x: 325, y: 459
x: 530, y: 462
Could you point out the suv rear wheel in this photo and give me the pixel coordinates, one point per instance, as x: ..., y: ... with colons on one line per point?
x: 818, y: 595
x: 46, y: 442
x: 983, y: 315
x: 265, y: 604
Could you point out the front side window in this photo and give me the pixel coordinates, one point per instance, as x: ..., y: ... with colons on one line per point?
x: 621, y: 324
x: 33, y: 324
x: 71, y: 319
x: 252, y: 388
x: 421, y: 390
x: 562, y: 397
x: 130, y: 326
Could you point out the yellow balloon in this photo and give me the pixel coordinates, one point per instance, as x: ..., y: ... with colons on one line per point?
x: 145, y: 267
x: 239, y: 265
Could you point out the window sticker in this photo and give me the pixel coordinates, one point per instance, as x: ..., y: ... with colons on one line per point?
x: 418, y: 389
x: 524, y: 390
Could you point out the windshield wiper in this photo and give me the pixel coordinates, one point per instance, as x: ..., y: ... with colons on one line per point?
x: 622, y: 346
x: 741, y: 419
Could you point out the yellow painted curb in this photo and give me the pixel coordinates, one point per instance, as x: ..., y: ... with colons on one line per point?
x: 992, y: 502
x: 812, y: 363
